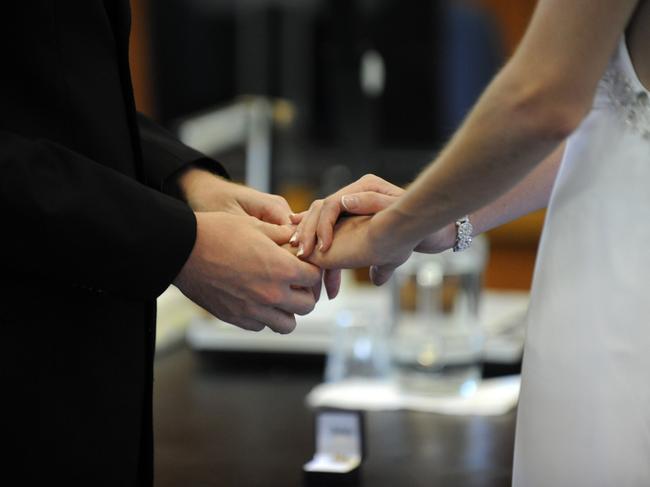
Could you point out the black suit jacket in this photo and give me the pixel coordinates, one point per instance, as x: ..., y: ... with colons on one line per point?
x: 89, y: 240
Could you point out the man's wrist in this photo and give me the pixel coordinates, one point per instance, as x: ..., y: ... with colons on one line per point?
x: 200, y: 188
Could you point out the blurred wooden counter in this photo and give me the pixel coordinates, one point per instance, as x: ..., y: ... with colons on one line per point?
x: 240, y: 421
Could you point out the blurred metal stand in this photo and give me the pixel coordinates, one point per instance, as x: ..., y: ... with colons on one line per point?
x: 247, y: 122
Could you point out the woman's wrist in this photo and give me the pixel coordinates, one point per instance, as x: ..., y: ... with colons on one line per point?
x: 404, y: 228
x: 395, y: 231
x: 443, y: 239
x: 400, y: 230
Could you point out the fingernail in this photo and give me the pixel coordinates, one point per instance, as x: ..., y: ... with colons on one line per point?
x: 301, y: 250
x: 320, y: 244
x: 294, y: 237
x: 332, y: 294
x: 349, y: 202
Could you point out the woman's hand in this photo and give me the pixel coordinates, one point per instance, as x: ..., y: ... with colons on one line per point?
x: 371, y: 241
x: 323, y: 215
x: 363, y: 241
x: 366, y: 196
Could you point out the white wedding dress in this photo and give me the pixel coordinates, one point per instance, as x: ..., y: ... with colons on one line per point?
x: 584, y: 413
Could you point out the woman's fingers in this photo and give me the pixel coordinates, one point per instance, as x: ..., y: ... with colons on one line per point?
x: 306, y: 231
x: 315, y: 227
x: 370, y: 182
x: 365, y: 203
x: 329, y: 214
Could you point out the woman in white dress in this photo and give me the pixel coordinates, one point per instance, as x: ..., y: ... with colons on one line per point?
x: 566, y: 123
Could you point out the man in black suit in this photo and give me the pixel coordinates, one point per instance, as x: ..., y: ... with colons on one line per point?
x: 92, y: 234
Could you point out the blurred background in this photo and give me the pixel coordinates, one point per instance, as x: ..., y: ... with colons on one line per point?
x: 338, y: 88
x: 301, y: 97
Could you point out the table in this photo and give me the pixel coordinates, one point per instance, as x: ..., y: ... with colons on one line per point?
x: 239, y: 420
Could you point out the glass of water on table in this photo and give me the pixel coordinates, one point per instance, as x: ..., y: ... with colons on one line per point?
x: 436, y: 338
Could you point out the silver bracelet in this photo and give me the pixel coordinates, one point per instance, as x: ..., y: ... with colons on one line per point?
x: 464, y: 231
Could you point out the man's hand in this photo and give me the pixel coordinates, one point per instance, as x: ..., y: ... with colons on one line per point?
x: 204, y: 191
x: 239, y: 272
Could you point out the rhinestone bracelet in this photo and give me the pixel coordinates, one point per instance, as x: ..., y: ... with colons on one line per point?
x: 464, y: 231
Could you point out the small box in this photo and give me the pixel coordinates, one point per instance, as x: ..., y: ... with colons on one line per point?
x: 340, y: 449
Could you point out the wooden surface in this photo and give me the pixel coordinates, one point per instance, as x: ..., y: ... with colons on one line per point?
x: 240, y: 421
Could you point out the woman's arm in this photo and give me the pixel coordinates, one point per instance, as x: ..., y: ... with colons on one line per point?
x: 371, y: 194
x: 536, y: 101
x: 530, y: 194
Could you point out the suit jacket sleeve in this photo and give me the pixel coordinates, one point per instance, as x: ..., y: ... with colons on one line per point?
x: 164, y: 156
x: 69, y: 219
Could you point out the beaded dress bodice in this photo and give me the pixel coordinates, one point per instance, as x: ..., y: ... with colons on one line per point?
x: 621, y: 91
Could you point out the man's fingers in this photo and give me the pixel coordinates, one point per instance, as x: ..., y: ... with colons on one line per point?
x: 380, y: 274
x: 278, y: 210
x: 276, y: 319
x: 317, y: 289
x: 305, y: 274
x: 247, y: 324
x: 332, y: 281
x: 271, y: 208
x: 278, y: 213
x: 296, y: 218
x: 300, y: 301
x: 280, y: 234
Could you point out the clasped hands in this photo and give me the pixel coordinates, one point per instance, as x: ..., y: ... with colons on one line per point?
x: 256, y: 264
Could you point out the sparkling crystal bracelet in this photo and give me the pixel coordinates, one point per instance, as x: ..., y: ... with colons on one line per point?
x: 464, y: 231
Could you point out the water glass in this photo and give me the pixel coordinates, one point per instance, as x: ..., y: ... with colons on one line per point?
x: 437, y: 339
x: 359, y: 349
